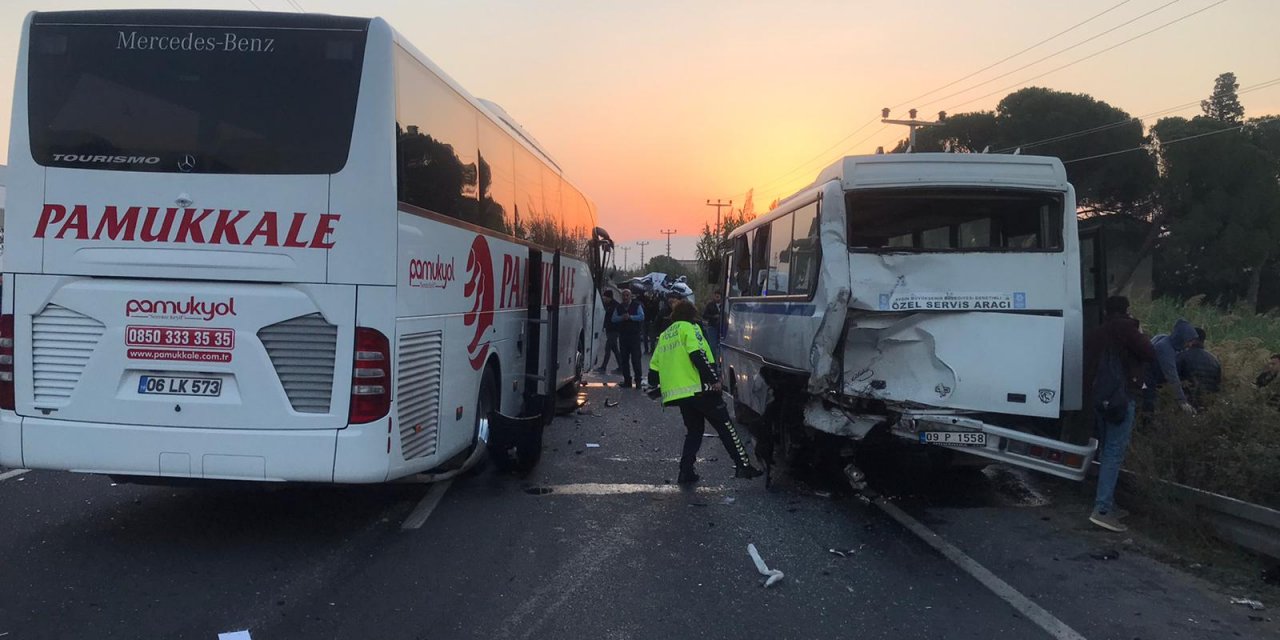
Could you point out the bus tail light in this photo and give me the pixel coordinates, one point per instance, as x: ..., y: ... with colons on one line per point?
x: 6, y: 361
x: 370, y: 376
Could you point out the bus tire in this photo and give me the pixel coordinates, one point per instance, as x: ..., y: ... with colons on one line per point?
x: 487, y: 399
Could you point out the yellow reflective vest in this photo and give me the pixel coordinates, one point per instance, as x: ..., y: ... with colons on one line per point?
x: 678, y: 378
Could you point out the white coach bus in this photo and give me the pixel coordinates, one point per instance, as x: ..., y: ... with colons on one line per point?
x: 261, y: 246
x: 932, y: 297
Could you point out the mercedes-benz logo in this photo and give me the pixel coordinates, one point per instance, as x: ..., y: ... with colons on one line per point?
x: 187, y: 163
x: 183, y: 200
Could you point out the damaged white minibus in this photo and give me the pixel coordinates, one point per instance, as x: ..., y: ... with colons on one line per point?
x: 933, y: 297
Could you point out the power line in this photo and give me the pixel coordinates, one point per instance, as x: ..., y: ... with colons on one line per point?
x: 1052, y: 55
x: 1074, y: 134
x: 296, y: 5
x: 255, y: 5
x: 1164, y: 143
x: 780, y: 180
x: 784, y: 176
x: 1092, y: 55
x: 1012, y: 56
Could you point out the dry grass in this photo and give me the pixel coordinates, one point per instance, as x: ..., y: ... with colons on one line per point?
x: 1233, y: 447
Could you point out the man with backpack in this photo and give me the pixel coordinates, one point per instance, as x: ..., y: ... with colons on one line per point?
x: 1115, y: 355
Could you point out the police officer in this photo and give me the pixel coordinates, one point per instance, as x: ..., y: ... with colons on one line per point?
x: 682, y: 371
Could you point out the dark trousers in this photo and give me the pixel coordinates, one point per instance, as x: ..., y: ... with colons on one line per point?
x: 629, y: 356
x: 698, y: 410
x: 610, y: 348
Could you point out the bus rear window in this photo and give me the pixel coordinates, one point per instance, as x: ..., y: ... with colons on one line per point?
x: 193, y: 99
x: 954, y: 220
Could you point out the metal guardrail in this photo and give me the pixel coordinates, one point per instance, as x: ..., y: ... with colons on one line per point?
x: 1252, y: 526
x: 1249, y: 525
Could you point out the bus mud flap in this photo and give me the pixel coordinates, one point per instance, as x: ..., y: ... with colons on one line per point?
x: 515, y: 444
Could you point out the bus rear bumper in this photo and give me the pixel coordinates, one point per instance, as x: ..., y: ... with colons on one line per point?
x: 1010, y: 446
x: 180, y: 452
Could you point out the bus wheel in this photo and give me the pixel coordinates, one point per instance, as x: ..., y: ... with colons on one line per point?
x: 486, y: 435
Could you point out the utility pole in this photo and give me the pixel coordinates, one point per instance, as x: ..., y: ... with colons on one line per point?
x: 642, y: 243
x: 717, y: 204
x: 668, y: 233
x: 625, y: 262
x: 912, y: 124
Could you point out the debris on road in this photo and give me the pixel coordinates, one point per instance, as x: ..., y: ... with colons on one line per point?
x: 593, y: 445
x: 1252, y: 604
x: 845, y: 553
x: 773, y: 576
x: 609, y: 404
x: 728, y: 500
x: 1104, y: 554
x: 235, y: 635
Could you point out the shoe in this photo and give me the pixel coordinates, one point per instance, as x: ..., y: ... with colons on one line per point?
x: 688, y: 478
x: 748, y: 472
x: 1107, y: 521
x: 1118, y: 513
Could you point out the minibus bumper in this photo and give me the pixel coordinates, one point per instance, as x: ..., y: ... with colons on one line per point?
x: 1010, y: 446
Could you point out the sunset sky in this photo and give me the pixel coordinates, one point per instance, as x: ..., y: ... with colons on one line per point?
x: 654, y: 107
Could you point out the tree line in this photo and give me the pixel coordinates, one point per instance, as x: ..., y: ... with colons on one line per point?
x: 1208, y: 186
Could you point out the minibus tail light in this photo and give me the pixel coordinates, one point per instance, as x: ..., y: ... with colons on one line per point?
x: 6, y: 361
x: 370, y: 376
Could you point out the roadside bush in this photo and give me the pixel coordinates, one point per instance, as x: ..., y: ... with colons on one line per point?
x: 1233, y: 446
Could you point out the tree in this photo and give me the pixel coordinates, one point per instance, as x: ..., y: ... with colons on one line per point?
x: 1045, y: 122
x: 665, y: 264
x: 711, y: 247
x: 1224, y: 105
x: 1222, y: 198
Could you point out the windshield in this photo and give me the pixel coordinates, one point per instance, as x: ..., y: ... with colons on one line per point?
x: 230, y: 99
x: 954, y: 220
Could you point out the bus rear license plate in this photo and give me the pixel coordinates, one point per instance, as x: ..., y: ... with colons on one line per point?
x: 954, y: 438
x: 176, y: 386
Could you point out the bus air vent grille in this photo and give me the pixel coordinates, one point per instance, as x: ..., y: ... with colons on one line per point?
x: 303, y: 351
x: 62, y: 341
x: 418, y: 392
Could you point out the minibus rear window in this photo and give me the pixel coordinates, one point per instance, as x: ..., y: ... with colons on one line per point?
x: 193, y: 99
x: 954, y: 220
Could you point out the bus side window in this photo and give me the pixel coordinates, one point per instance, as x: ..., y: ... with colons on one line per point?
x: 740, y: 280
x: 436, y: 144
x: 778, y: 281
x: 759, y: 260
x: 804, y: 251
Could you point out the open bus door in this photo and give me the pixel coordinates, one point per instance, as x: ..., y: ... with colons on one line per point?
x: 1093, y: 275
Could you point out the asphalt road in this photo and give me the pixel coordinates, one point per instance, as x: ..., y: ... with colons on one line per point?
x: 595, y: 544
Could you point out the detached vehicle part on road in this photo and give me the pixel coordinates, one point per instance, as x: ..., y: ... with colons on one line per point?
x: 931, y: 297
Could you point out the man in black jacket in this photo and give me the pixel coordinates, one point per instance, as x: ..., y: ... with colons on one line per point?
x: 610, y: 332
x: 1199, y: 371
x: 1115, y: 355
x: 627, y: 318
x: 711, y: 319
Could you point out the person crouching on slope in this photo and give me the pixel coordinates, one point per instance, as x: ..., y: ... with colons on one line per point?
x: 682, y: 372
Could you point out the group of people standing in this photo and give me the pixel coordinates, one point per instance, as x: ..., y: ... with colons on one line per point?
x: 683, y: 367
x: 634, y: 323
x: 1124, y: 368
